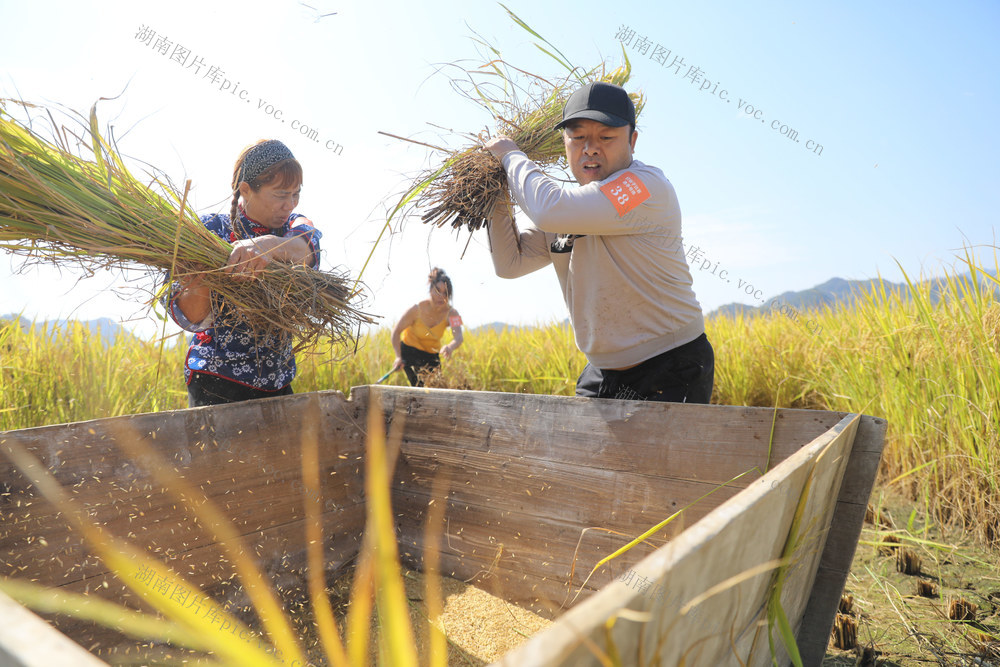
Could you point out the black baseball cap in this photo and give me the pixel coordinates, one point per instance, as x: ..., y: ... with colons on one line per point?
x: 604, y: 102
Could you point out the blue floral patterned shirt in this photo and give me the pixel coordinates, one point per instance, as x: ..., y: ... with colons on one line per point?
x: 224, y: 346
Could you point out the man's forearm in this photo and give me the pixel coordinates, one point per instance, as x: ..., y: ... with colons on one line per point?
x: 587, y: 209
x: 515, y: 253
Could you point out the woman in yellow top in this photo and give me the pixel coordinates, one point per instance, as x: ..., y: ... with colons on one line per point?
x: 417, y: 336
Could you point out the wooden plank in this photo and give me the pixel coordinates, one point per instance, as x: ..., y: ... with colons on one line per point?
x: 552, y: 539
x: 745, y: 531
x: 566, y: 492
x: 848, y: 519
x: 487, y: 447
x: 708, y: 443
x: 530, y: 567
x: 244, y: 458
x: 535, y: 539
x: 173, y: 534
x: 824, y: 487
x: 277, y: 552
x: 28, y: 641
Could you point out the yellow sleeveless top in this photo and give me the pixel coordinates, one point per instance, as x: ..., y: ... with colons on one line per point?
x: 425, y: 338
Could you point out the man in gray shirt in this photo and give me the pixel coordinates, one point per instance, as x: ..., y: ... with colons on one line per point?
x: 615, y: 245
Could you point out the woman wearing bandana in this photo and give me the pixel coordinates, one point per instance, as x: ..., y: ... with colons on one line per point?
x: 227, y: 361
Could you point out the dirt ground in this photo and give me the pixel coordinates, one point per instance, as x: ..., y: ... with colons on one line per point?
x: 899, y: 620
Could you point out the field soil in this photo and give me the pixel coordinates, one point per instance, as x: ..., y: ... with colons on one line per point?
x: 943, y: 608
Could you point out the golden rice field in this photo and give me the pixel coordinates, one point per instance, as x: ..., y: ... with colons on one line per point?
x: 932, y: 370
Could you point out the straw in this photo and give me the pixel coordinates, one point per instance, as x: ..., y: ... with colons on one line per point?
x: 462, y: 190
x: 61, y: 207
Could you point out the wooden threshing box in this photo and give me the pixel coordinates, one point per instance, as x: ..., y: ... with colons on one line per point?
x: 540, y: 488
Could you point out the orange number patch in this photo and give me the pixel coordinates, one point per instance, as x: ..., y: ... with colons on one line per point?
x: 455, y: 321
x: 625, y: 192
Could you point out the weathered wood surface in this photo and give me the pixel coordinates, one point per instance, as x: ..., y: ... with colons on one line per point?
x: 245, y: 458
x: 28, y: 641
x: 540, y: 489
x: 746, y: 532
x: 842, y: 540
x: 504, y: 515
x: 809, y: 537
x: 534, y: 478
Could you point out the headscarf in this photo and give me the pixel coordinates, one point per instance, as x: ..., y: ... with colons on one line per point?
x: 261, y: 157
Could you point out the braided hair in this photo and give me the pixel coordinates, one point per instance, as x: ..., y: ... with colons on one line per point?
x: 259, y: 164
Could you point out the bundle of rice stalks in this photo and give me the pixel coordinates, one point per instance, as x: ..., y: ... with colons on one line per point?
x: 93, y: 213
x: 526, y: 108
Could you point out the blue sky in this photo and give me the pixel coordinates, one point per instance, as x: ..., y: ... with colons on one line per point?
x: 902, y: 98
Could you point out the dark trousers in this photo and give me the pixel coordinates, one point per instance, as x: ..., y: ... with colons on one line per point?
x: 207, y: 389
x: 684, y: 374
x: 416, y: 362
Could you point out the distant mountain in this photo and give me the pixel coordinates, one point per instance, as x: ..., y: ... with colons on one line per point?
x: 492, y: 326
x: 834, y: 292
x: 105, y: 327
x: 501, y: 326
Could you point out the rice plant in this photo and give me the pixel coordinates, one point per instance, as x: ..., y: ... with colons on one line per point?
x: 927, y: 365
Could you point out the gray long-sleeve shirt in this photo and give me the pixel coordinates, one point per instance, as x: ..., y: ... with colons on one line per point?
x: 626, y: 282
